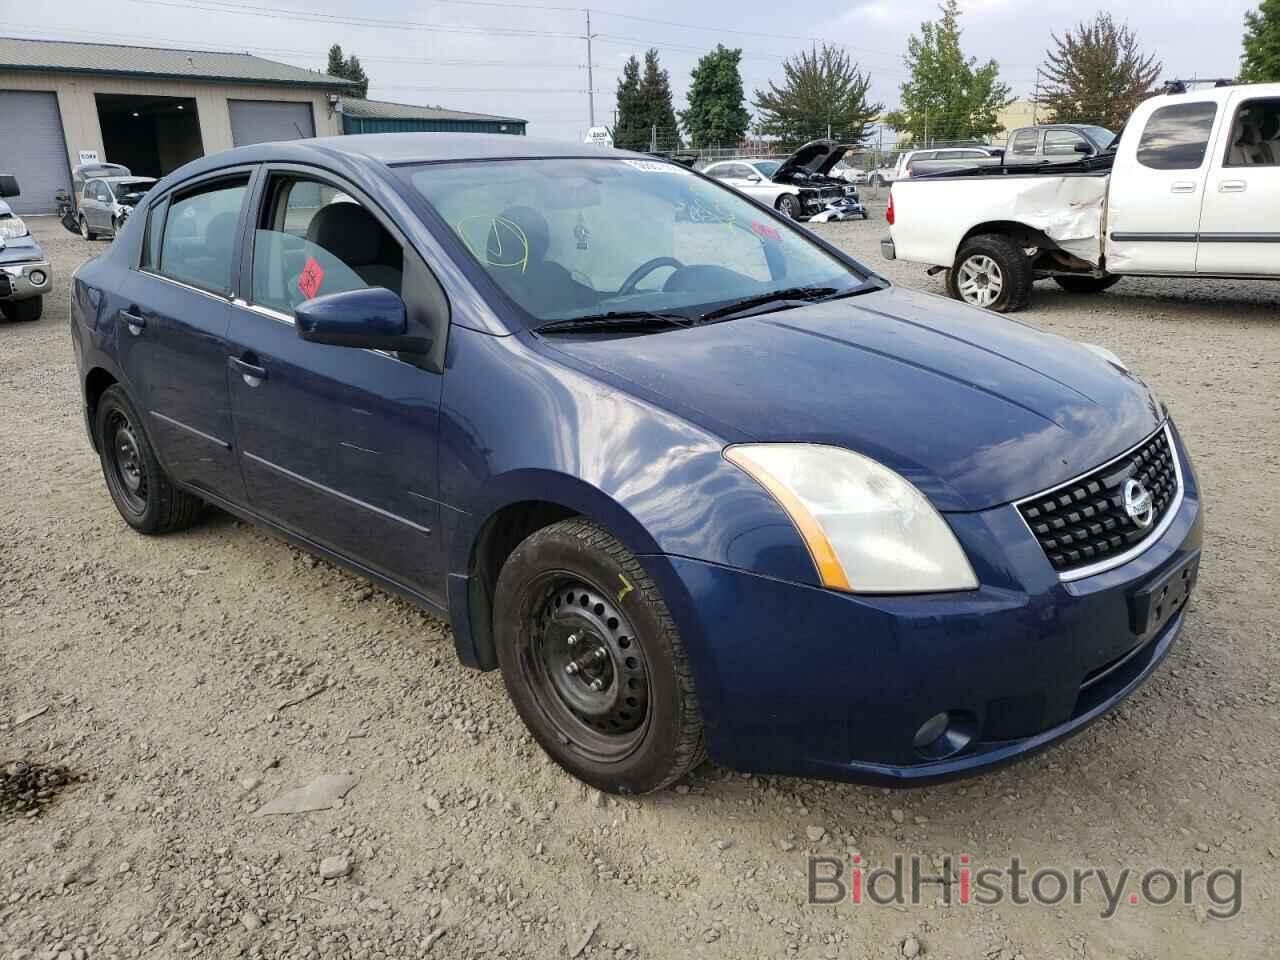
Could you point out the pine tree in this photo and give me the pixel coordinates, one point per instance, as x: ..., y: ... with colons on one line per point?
x: 631, y: 131
x: 348, y: 68
x: 1097, y: 74
x: 1261, y: 62
x: 716, y: 113
x: 949, y: 96
x: 655, y: 94
x: 823, y: 92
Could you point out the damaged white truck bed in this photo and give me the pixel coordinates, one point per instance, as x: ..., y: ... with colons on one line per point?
x: 1192, y: 188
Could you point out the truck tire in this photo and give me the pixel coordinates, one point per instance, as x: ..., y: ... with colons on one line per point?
x: 991, y: 271
x: 593, y: 661
x: 1086, y: 284
x: 25, y: 311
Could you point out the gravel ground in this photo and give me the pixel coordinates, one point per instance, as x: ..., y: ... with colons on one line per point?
x: 164, y: 667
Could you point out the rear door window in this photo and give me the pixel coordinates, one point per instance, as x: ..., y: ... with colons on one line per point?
x: 1177, y: 136
x: 200, y: 235
x: 1024, y: 143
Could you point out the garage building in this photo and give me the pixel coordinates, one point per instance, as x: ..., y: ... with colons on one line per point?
x: 148, y: 108
x: 379, y: 116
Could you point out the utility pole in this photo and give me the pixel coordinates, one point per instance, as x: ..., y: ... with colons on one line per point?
x: 591, y: 86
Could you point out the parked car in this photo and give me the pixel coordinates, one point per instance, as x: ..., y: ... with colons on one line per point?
x: 915, y: 162
x: 1045, y: 144
x: 25, y: 274
x: 692, y: 478
x: 882, y: 176
x: 106, y: 202
x: 799, y: 186
x: 1191, y: 189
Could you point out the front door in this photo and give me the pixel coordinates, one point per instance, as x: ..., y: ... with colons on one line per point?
x: 172, y: 332
x: 1154, y: 216
x: 338, y: 444
x: 1240, y: 225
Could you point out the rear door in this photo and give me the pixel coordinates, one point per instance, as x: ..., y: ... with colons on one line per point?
x: 1157, y: 186
x: 1240, y: 224
x: 172, y: 335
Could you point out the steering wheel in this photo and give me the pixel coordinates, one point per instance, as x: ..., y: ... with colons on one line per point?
x: 646, y: 268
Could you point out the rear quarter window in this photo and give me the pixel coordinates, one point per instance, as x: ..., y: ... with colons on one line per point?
x: 1176, y: 137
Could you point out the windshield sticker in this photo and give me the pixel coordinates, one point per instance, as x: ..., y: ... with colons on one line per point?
x: 581, y: 233
x: 311, y: 277
x: 657, y: 166
x: 766, y: 232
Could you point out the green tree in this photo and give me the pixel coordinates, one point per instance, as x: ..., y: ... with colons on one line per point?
x: 1097, y: 74
x: 631, y: 130
x: 717, y: 112
x: 949, y: 96
x: 348, y: 68
x: 655, y: 94
x: 822, y: 91
x: 1261, y: 63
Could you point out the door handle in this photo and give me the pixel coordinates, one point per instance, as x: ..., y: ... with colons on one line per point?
x: 1232, y: 186
x: 1183, y: 186
x: 135, y: 321
x: 252, y: 373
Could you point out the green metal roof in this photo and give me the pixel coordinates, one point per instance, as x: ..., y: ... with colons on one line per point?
x: 383, y: 110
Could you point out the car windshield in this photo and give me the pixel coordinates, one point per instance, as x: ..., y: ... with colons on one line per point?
x: 768, y: 167
x: 569, y: 238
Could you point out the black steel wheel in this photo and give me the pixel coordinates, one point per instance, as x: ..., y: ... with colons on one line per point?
x: 141, y: 490
x: 593, y: 662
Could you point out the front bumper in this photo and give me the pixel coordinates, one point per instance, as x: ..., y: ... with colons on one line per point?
x: 21, y: 281
x: 803, y: 681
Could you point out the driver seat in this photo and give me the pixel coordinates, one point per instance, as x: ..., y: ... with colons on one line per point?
x: 516, y: 257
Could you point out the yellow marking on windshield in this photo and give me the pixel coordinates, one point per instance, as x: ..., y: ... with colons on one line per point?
x: 497, y: 226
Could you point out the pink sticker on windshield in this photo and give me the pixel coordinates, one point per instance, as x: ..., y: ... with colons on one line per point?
x: 311, y: 277
x: 766, y: 232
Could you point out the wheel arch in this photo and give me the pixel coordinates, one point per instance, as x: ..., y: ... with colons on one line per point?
x: 96, y: 383
x: 1024, y: 235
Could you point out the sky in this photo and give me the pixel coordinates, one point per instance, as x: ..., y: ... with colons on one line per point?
x: 527, y: 58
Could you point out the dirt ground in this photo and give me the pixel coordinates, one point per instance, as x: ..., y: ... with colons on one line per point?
x: 164, y: 666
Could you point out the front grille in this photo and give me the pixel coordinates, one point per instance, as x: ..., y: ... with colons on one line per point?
x: 6, y: 287
x: 1085, y: 522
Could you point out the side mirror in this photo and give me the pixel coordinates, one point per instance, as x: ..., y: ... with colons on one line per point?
x: 1083, y: 148
x: 372, y: 318
x: 9, y: 185
x: 754, y: 178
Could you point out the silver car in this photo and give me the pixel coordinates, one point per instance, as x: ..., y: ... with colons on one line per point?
x: 107, y: 202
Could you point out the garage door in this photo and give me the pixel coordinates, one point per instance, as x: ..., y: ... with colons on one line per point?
x: 259, y: 121
x: 32, y: 149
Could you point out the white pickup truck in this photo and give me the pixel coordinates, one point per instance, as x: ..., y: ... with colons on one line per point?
x: 1190, y: 189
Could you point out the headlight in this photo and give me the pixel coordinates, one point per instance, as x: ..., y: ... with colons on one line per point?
x: 1105, y: 354
x: 12, y: 227
x: 867, y: 529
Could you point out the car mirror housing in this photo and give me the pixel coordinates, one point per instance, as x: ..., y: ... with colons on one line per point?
x: 371, y: 318
x: 9, y: 185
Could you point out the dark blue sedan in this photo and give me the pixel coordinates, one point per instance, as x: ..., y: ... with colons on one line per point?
x: 695, y: 480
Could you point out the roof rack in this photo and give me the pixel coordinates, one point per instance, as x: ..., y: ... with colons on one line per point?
x: 1183, y: 86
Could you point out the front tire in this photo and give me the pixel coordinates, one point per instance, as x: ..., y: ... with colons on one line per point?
x: 1086, y: 284
x: 991, y: 271
x: 25, y: 311
x: 593, y: 662
x: 85, y: 232
x: 789, y: 206
x: 139, y: 487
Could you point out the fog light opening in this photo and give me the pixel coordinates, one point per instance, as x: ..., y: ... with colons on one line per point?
x: 37, y: 278
x: 944, y: 734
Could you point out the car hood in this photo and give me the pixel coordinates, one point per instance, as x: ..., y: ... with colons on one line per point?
x: 18, y: 249
x: 817, y: 156
x: 975, y: 409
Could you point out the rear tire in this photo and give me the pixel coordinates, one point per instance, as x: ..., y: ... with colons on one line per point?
x: 139, y: 487
x: 593, y: 662
x: 1086, y: 284
x: 991, y: 271
x: 25, y: 311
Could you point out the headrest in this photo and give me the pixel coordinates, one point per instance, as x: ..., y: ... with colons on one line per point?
x: 348, y: 231
x: 524, y: 227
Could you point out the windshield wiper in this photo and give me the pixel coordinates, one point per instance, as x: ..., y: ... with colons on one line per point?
x: 613, y: 320
x: 806, y: 294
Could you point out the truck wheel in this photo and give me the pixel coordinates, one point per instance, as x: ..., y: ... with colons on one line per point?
x: 139, y: 487
x: 85, y: 231
x: 593, y: 662
x: 1086, y: 284
x: 25, y: 311
x: 991, y: 271
x: 788, y: 206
